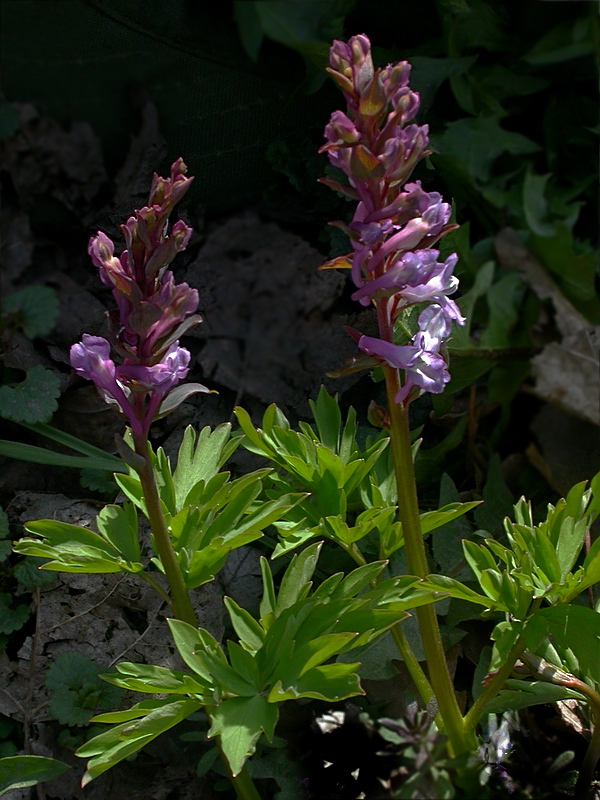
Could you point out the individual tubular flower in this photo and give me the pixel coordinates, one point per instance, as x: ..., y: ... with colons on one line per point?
x: 425, y: 368
x: 396, y: 223
x: 161, y: 376
x: 91, y: 359
x: 152, y: 310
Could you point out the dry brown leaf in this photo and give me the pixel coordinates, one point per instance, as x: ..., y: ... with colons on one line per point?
x: 566, y: 373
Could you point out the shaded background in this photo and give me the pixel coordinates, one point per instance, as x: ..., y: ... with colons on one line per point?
x: 97, y: 95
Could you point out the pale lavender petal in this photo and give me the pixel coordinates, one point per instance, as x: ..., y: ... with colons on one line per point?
x: 162, y: 376
x: 91, y: 359
x: 398, y: 356
x: 430, y: 372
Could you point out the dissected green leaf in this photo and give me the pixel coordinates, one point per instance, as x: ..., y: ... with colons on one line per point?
x: 296, y: 581
x: 327, y: 415
x: 73, y: 548
x: 571, y: 627
x: 249, y: 631
x: 125, y: 739
x: 332, y: 682
x: 118, y: 525
x: 155, y: 680
x: 430, y: 520
x: 200, y: 458
x: 190, y: 641
x: 239, y: 721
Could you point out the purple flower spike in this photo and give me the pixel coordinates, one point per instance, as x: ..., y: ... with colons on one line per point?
x: 396, y: 223
x: 152, y: 310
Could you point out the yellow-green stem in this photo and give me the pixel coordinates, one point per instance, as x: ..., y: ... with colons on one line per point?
x: 410, y: 660
x: 408, y: 510
x: 180, y: 602
x: 412, y: 665
x: 180, y: 598
x: 493, y: 686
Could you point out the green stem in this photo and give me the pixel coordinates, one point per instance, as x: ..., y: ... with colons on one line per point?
x: 242, y: 782
x: 180, y: 598
x: 412, y: 665
x: 410, y: 660
x: 493, y: 686
x: 408, y: 510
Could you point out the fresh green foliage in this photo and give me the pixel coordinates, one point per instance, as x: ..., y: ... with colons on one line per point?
x: 136, y: 727
x: 19, y: 772
x: 207, y: 514
x: 76, y: 691
x: 522, y: 694
x: 533, y: 582
x: 351, y: 491
x: 284, y: 654
x: 200, y: 458
x: 219, y: 514
x: 540, y: 559
x: 73, y: 548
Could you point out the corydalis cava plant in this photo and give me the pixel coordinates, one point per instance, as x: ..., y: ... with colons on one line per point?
x: 395, y: 266
x: 152, y: 311
x: 396, y: 224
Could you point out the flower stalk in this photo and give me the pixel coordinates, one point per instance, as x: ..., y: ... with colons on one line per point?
x: 394, y: 267
x: 152, y: 313
x: 180, y: 598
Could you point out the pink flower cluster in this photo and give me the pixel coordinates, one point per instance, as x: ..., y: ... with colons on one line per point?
x: 396, y: 224
x: 152, y: 310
